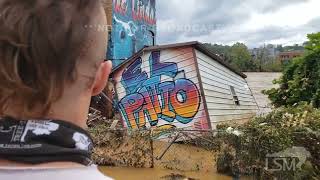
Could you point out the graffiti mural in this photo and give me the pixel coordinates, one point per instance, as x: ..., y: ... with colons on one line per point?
x: 133, y: 27
x: 158, y: 95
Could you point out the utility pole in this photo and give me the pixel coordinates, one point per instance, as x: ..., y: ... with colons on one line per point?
x: 261, y: 56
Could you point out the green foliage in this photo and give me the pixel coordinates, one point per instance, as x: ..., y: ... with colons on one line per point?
x: 295, y: 47
x: 241, y: 58
x: 300, y: 82
x: 236, y: 55
x: 281, y: 129
x: 272, y: 66
x: 314, y: 42
x: 223, y: 51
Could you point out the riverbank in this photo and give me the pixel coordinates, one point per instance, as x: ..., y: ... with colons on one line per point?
x: 120, y: 173
x: 180, y: 162
x: 122, y: 154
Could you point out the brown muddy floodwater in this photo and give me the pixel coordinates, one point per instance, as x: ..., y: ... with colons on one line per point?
x: 155, y: 174
x: 187, y: 163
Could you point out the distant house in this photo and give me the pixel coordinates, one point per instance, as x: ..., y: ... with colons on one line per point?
x: 180, y: 86
x: 287, y: 56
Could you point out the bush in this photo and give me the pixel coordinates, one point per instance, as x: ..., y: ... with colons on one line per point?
x: 300, y: 80
x: 282, y: 129
x: 121, y: 147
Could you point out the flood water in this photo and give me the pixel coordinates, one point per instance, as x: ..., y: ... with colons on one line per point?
x: 155, y: 174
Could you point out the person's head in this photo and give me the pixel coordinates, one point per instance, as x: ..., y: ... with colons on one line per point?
x: 51, y: 58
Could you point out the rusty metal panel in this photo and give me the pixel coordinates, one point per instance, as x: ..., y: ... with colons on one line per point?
x: 227, y: 94
x: 160, y: 90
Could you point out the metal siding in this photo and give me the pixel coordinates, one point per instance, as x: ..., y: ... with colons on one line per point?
x: 173, y: 65
x: 217, y: 80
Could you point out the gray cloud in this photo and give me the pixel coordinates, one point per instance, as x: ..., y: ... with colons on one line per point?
x: 258, y: 37
x: 274, y: 5
x: 315, y: 23
x: 210, y: 16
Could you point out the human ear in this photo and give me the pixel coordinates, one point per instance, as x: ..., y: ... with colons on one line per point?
x: 101, y: 77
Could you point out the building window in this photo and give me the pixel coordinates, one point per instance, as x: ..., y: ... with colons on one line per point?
x: 234, y: 95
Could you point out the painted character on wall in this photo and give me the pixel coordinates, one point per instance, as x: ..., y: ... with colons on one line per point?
x: 163, y: 98
x: 133, y: 28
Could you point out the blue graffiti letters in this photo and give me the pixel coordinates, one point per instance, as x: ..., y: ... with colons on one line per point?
x: 150, y: 100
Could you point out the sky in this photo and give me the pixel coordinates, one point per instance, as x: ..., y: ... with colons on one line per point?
x: 253, y: 22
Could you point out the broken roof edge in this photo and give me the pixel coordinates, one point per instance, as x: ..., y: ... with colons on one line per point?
x: 199, y: 46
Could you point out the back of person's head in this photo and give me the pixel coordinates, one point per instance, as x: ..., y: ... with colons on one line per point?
x: 46, y: 46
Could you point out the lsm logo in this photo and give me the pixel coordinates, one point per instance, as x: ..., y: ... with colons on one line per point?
x: 166, y: 95
x: 290, y: 159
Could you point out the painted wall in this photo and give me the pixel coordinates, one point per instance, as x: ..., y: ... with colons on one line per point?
x: 216, y: 80
x: 161, y: 90
x: 133, y: 27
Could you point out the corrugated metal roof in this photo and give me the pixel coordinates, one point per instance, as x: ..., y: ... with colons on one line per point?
x: 199, y: 46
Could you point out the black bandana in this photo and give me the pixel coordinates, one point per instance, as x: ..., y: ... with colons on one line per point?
x: 43, y: 141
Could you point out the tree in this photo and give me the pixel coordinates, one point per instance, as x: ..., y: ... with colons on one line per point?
x: 241, y: 57
x: 279, y: 48
x: 300, y: 80
x: 314, y: 42
x: 222, y: 50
